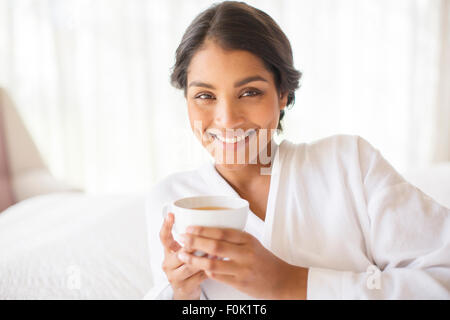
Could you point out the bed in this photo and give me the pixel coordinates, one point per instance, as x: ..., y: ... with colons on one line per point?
x: 74, y: 246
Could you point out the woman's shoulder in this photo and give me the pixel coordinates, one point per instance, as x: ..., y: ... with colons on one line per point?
x: 173, y: 181
x: 343, y: 148
x: 337, y: 142
x: 174, y: 186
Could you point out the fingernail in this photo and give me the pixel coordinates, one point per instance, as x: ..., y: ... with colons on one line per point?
x: 182, y: 256
x: 190, y: 229
x: 183, y: 238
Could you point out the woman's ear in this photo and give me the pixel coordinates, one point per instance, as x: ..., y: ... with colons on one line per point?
x: 283, y: 99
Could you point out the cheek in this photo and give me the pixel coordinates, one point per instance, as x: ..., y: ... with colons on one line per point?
x: 198, y: 119
x: 195, y: 114
x: 267, y: 115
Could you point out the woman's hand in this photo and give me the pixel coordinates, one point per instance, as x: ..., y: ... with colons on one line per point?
x: 249, y: 266
x: 185, y: 279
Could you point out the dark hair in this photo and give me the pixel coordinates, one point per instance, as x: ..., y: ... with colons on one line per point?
x: 238, y: 26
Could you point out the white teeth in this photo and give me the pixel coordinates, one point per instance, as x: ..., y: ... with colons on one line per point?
x: 234, y: 139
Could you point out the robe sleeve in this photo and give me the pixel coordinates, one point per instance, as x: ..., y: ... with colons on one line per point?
x: 409, y: 241
x: 161, y: 289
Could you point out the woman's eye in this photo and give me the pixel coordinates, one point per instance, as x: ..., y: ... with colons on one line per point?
x: 203, y: 96
x: 250, y: 93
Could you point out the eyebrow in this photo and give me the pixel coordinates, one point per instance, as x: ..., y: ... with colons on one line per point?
x: 236, y: 84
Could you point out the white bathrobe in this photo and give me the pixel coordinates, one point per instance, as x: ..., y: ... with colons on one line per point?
x: 337, y: 207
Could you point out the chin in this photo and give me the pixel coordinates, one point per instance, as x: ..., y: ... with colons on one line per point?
x: 235, y: 166
x: 232, y: 167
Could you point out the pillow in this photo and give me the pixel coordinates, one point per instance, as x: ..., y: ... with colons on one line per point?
x: 6, y: 195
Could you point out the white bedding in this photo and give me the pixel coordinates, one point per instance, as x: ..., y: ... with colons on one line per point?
x: 74, y: 246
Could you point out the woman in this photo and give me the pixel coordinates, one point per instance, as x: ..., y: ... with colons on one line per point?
x: 330, y: 219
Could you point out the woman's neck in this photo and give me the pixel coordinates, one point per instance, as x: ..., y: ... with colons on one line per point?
x: 242, y: 177
x: 252, y: 183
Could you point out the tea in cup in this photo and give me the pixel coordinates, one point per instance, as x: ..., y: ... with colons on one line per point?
x: 208, y: 211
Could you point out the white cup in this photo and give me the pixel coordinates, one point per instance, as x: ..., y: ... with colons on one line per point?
x: 234, y: 216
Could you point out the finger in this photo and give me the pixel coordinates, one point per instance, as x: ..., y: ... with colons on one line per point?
x: 224, y: 278
x: 213, y: 247
x: 229, y: 267
x: 195, y: 280
x: 165, y: 234
x: 183, y: 272
x: 171, y: 262
x: 226, y: 234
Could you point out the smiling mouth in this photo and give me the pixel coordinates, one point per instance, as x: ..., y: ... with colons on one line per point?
x: 234, y: 139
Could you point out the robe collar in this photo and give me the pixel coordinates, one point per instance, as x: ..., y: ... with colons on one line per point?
x: 219, y: 186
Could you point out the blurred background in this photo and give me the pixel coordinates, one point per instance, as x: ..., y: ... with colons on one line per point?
x: 90, y: 79
x: 85, y: 98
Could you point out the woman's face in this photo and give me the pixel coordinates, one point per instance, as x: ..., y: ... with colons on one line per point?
x: 233, y: 104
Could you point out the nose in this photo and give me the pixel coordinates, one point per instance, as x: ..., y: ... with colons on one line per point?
x: 228, y: 116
